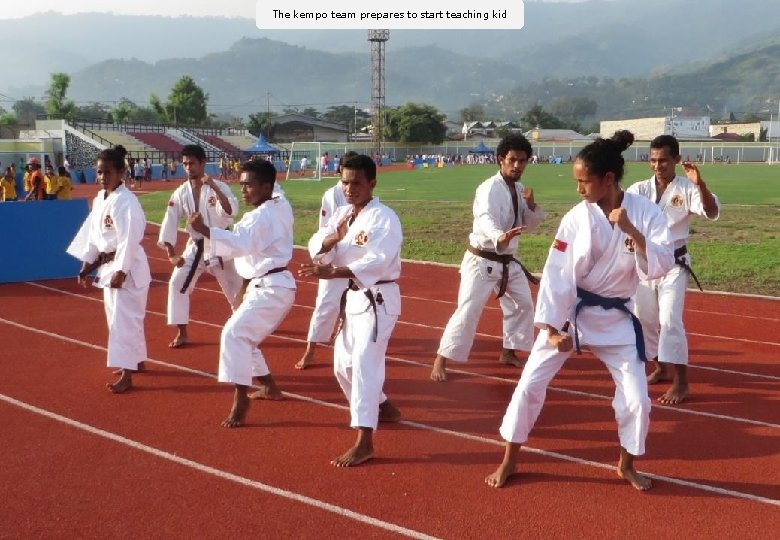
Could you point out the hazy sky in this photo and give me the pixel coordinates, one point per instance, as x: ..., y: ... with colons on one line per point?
x: 12, y: 9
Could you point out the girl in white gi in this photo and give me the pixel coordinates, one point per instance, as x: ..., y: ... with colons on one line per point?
x: 326, y: 306
x: 362, y: 242
x: 110, y: 240
x: 659, y: 303
x: 503, y: 209
x: 602, y: 248
x: 217, y: 206
x: 261, y: 244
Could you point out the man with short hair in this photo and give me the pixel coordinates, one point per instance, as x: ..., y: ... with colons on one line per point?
x: 35, y: 183
x: 503, y: 209
x: 216, y: 204
x: 326, y: 306
x: 262, y: 246
x: 659, y: 303
x: 362, y: 242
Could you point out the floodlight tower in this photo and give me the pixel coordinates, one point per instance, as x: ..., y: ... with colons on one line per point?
x: 377, y: 38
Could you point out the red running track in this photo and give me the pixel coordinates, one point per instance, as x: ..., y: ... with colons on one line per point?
x: 155, y: 462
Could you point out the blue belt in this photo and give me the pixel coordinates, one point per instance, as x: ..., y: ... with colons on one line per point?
x: 588, y: 298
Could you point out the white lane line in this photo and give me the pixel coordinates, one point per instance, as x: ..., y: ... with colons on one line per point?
x: 676, y: 408
x: 427, y: 427
x: 489, y: 307
x: 480, y: 334
x: 224, y: 475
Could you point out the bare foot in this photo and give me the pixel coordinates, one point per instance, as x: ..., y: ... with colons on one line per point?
x: 507, y: 468
x: 354, y: 456
x: 627, y: 472
x: 238, y: 412
x: 439, y: 371
x: 267, y: 390
x: 306, y: 359
x: 388, y: 412
x: 123, y: 384
x: 508, y: 358
x: 676, y: 394
x: 178, y: 341
x: 639, y: 481
x: 502, y: 474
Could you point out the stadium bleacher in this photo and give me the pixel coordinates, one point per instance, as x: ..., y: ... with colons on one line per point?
x: 158, y: 141
x: 220, y: 143
x: 239, y: 141
x: 131, y: 143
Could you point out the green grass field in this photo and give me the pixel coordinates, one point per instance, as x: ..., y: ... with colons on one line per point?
x: 738, y: 253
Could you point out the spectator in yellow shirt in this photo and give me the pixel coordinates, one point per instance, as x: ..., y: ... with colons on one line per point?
x: 65, y: 185
x: 8, y: 186
x: 52, y: 183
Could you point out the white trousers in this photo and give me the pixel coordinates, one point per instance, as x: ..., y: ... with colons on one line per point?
x: 631, y: 402
x: 659, y: 304
x: 326, y: 310
x: 179, y: 303
x: 479, y: 278
x: 359, y: 363
x: 259, y: 314
x: 125, y: 312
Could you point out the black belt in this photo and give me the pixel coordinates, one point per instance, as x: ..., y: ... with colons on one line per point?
x: 504, y: 260
x: 101, y: 259
x: 194, y: 267
x: 273, y: 271
x: 678, y: 259
x: 352, y: 286
x: 588, y: 298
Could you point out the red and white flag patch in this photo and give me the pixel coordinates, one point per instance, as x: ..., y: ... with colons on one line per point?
x: 170, y: 203
x: 560, y: 245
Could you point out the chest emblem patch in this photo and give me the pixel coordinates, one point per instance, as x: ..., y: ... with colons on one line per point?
x: 108, y: 223
x: 677, y: 201
x: 629, y: 243
x: 361, y: 239
x: 212, y: 201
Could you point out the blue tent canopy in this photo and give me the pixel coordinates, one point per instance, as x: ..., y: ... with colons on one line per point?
x: 481, y: 149
x: 261, y: 146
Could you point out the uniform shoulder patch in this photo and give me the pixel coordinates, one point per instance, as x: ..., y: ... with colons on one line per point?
x: 560, y: 245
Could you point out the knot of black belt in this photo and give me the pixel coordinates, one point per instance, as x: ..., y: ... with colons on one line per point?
x: 679, y: 255
x: 352, y: 286
x: 194, y: 267
x: 102, y: 258
x: 505, y: 260
x: 588, y: 298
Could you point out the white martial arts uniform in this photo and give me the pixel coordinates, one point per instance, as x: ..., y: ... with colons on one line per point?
x: 116, y: 224
x: 591, y: 254
x: 182, y: 204
x: 371, y: 249
x: 493, y: 216
x: 326, y: 306
x: 659, y: 303
x: 261, y: 242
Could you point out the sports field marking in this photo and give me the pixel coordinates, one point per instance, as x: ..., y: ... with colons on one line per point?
x: 224, y: 475
x: 441, y: 328
x: 676, y: 408
x: 417, y: 425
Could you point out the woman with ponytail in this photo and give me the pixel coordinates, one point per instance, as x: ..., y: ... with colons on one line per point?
x: 602, y: 248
